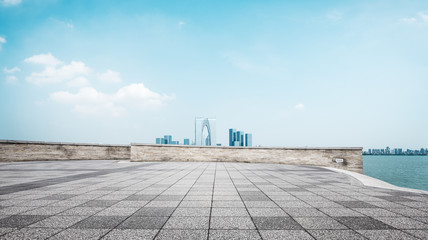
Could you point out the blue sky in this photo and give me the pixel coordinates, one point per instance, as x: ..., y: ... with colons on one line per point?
x: 293, y: 73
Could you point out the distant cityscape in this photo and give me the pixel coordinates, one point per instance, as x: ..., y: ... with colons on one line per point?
x: 205, y: 135
x: 396, y: 151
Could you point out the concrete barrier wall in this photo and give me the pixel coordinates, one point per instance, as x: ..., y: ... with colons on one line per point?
x: 29, y: 151
x: 352, y: 157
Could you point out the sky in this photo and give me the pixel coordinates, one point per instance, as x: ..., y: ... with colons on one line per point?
x: 293, y: 73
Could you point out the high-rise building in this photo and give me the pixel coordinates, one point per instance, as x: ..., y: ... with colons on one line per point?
x: 239, y: 138
x: 205, y: 131
x: 167, y: 139
x: 248, y: 139
x: 186, y: 141
x: 159, y: 140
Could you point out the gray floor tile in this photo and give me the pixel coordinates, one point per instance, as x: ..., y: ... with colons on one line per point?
x: 80, y: 234
x: 336, y: 234
x: 131, y: 234
x: 363, y: 223
x: 231, y: 223
x: 192, y: 212
x: 187, y: 223
x: 234, y: 234
x: 386, y: 234
x: 155, y: 212
x: 19, y: 221
x: 99, y: 222
x: 167, y: 234
x: 276, y: 223
x: 135, y: 222
x: 285, y: 235
x: 229, y: 212
x: 31, y: 233
x: 319, y: 223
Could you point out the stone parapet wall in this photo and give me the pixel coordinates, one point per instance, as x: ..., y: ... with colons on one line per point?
x: 326, y: 157
x: 31, y: 151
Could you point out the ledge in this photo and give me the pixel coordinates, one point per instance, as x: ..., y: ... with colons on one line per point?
x: 374, y: 182
x: 229, y: 147
x: 61, y: 143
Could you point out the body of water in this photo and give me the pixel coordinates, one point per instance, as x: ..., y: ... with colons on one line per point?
x: 403, y: 171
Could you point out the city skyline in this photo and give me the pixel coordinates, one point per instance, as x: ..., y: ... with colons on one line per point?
x: 296, y: 73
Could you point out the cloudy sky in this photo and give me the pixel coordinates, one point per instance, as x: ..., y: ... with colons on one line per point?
x: 293, y: 73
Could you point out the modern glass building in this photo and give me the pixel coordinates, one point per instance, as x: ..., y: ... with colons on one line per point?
x: 205, y: 131
x: 239, y: 138
x: 167, y: 139
x: 248, y: 139
x: 186, y: 141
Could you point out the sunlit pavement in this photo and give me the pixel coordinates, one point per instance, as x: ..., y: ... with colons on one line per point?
x: 171, y: 200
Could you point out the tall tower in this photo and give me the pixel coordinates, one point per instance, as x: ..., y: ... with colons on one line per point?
x: 205, y: 131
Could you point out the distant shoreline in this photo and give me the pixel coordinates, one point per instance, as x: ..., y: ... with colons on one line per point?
x: 367, y: 154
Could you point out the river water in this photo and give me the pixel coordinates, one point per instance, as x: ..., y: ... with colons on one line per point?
x: 403, y: 171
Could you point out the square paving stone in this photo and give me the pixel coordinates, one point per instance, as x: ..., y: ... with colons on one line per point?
x: 155, y: 212
x: 376, y: 212
x: 363, y: 223
x: 19, y: 221
x: 99, y: 203
x: 169, y: 198
x: 319, y: 223
x: 255, y: 198
x: 231, y: 223
x: 163, y: 204
x: 115, y: 211
x: 81, y: 234
x: 187, y: 223
x: 276, y: 223
x: 135, y: 222
x: 192, y: 212
x: 267, y: 212
x: 131, y: 234
x: 198, y: 204
x: 260, y: 204
x: 386, y: 234
x: 99, y: 222
x: 58, y: 221
x: 341, y: 212
x: 304, y: 212
x: 422, y: 234
x: 168, y: 234
x: 228, y: 204
x: 31, y: 233
x: 229, y: 212
x: 403, y: 223
x: 234, y: 234
x: 81, y: 211
x: 285, y: 235
x: 355, y: 204
x: 336, y: 235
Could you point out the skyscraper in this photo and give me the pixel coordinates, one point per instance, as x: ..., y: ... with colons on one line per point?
x: 248, y: 139
x: 205, y: 131
x: 186, y: 141
x: 239, y: 138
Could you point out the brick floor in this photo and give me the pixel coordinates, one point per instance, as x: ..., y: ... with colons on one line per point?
x: 111, y: 200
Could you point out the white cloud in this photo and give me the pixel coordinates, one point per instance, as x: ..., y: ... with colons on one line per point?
x: 2, y: 40
x: 12, y: 70
x: 409, y: 20
x: 55, y: 71
x: 10, y: 2
x: 44, y: 59
x: 110, y: 76
x: 11, y: 79
x: 88, y: 100
x: 424, y: 17
x: 300, y: 106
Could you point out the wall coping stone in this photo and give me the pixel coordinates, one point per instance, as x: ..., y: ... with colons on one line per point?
x: 62, y: 143
x: 262, y: 147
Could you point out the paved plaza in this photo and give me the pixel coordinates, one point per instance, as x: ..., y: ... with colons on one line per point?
x: 191, y: 200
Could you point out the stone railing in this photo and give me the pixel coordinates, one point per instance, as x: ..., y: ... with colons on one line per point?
x: 348, y: 158
x: 29, y: 151
x: 343, y: 158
